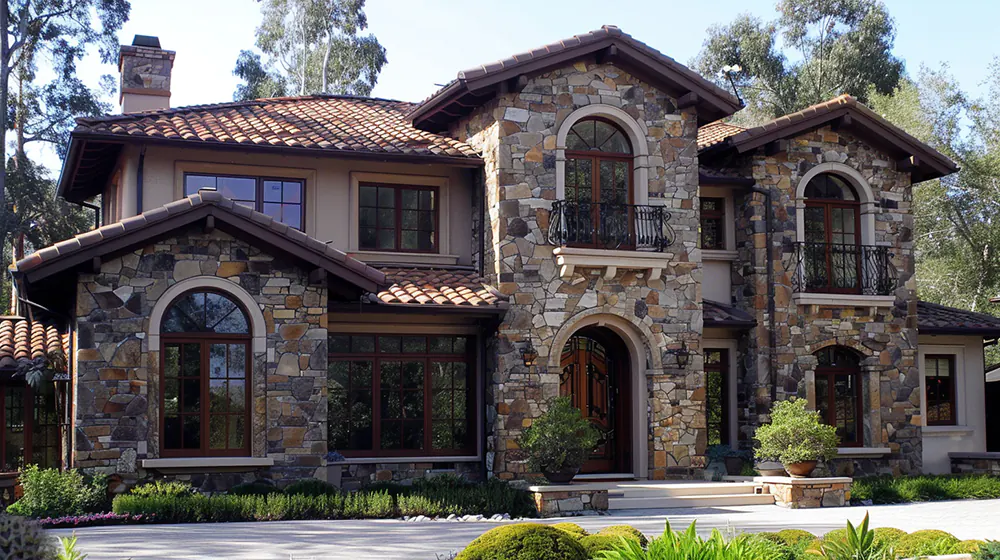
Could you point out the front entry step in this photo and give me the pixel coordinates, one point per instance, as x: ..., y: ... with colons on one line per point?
x: 676, y: 490
x: 689, y: 501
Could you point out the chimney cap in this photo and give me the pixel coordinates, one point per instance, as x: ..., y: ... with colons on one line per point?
x: 146, y: 41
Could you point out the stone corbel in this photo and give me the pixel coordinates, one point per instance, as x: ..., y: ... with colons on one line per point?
x: 567, y: 271
x: 609, y: 272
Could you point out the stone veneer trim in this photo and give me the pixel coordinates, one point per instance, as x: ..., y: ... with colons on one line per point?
x: 861, y: 186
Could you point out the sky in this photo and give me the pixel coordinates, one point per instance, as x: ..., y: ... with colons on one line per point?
x: 429, y: 41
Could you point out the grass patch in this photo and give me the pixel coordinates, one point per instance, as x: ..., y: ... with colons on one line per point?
x: 925, y: 488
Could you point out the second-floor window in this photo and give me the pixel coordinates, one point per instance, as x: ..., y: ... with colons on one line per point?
x: 939, y: 378
x: 277, y: 197
x: 713, y: 220
x: 397, y: 218
x: 832, y: 235
x: 598, y: 184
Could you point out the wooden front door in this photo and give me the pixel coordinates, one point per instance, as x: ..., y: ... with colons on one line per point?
x: 594, y: 367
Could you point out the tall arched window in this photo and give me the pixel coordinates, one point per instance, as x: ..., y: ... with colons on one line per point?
x: 598, y: 185
x: 838, y: 392
x: 832, y: 235
x: 205, y: 377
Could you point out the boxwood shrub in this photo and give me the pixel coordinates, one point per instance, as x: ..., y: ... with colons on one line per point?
x: 524, y: 541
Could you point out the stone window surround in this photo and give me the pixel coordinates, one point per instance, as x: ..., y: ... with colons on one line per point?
x: 957, y: 352
x: 442, y: 256
x: 870, y: 385
x: 729, y: 223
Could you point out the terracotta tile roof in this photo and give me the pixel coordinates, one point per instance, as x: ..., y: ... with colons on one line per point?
x: 721, y: 315
x: 336, y: 124
x: 177, y: 214
x: 430, y: 286
x: 934, y: 318
x: 21, y: 339
x: 713, y: 133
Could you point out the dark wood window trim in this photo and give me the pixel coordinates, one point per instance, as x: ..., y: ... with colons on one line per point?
x: 376, y: 357
x: 718, y: 215
x: 831, y: 374
x: 28, y: 417
x: 398, y: 189
x: 722, y: 370
x: 259, y: 190
x: 932, y: 379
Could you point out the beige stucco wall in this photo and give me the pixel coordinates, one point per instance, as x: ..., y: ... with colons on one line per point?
x: 969, y: 435
x: 717, y: 284
x: 329, y: 203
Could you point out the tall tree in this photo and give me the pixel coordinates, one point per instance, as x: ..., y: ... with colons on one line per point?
x: 312, y: 46
x: 841, y: 46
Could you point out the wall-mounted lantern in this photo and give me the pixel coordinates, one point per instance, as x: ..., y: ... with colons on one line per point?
x: 682, y: 355
x: 529, y: 355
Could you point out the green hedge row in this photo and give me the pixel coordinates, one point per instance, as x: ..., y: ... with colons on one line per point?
x: 925, y: 488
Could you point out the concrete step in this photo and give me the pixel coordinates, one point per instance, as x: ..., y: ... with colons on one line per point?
x: 649, y: 490
x: 713, y: 500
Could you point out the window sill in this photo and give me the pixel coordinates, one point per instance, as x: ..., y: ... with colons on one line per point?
x: 207, y: 462
x: 843, y: 300
x: 862, y: 452
x: 392, y: 257
x: 718, y: 255
x: 395, y: 460
x: 568, y: 258
x: 947, y: 431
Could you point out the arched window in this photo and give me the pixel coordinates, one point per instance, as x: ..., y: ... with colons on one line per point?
x: 598, y: 185
x: 838, y: 392
x: 832, y: 222
x: 205, y: 377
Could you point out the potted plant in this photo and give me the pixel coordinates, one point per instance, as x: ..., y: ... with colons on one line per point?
x: 770, y: 466
x: 558, y: 442
x: 732, y: 458
x: 796, y: 437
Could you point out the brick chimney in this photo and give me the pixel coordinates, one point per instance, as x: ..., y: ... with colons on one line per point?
x: 145, y: 70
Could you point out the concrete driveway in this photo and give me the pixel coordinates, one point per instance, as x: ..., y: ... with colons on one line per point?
x: 394, y: 539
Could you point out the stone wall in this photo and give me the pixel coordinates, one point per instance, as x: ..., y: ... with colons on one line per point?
x: 517, y: 135
x: 885, y: 336
x: 117, y: 395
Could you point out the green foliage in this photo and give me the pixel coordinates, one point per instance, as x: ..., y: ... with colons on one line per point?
x: 687, y: 545
x: 55, y: 493
x: 925, y: 488
x: 312, y: 47
x: 572, y: 528
x: 24, y: 539
x: 855, y: 544
x: 968, y: 546
x: 888, y: 536
x: 69, y: 551
x: 988, y: 551
x: 842, y: 47
x: 310, y: 487
x: 597, y: 543
x: 929, y: 542
x: 524, y: 541
x: 255, y: 488
x: 795, y: 435
x: 559, y: 439
x: 625, y: 531
x: 795, y: 537
x: 163, y: 488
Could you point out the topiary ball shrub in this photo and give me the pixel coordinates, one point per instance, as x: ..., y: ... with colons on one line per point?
x: 310, y: 487
x: 836, y: 535
x: 627, y: 531
x: 969, y: 546
x: 255, y: 488
x: 888, y: 536
x: 24, y: 539
x: 599, y: 543
x: 795, y: 537
x: 572, y: 528
x: 524, y: 541
x: 925, y: 543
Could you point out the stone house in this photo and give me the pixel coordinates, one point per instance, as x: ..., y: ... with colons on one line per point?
x: 398, y: 289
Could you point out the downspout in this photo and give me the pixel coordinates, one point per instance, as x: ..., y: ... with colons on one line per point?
x: 772, y: 334
x: 138, y: 180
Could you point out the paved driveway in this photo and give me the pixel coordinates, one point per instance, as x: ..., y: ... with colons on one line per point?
x: 393, y: 539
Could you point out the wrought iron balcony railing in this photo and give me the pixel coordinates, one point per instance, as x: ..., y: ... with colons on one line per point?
x: 609, y: 226
x: 843, y: 269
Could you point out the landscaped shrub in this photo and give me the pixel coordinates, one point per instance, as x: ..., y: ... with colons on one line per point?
x: 888, y: 536
x: 24, y: 539
x: 524, y: 541
x: 968, y: 546
x: 255, y: 488
x: 989, y: 551
x: 688, y: 545
x: 163, y: 488
x: 924, y: 488
x: 453, y: 495
x: 835, y: 535
x: 597, y: 543
x: 311, y: 487
x: 573, y: 529
x: 857, y: 543
x: 627, y: 531
x: 53, y: 493
x: 925, y: 543
x: 795, y: 537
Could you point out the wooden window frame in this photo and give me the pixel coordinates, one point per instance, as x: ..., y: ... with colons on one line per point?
x: 376, y: 357
x: 831, y: 374
x: 259, y: 190
x: 28, y: 415
x: 950, y: 358
x: 398, y: 189
x: 720, y: 215
x: 722, y: 368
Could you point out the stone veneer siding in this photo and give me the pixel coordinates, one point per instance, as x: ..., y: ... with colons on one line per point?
x: 516, y: 134
x: 886, y: 337
x: 117, y: 394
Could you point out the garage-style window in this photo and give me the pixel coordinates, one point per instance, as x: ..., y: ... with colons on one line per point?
x: 398, y: 395
x: 939, y: 379
x: 279, y: 198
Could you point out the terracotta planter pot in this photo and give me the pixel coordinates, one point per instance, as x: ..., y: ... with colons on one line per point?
x: 562, y: 476
x: 802, y: 469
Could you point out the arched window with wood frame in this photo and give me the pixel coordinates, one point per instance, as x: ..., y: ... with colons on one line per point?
x: 838, y: 393
x: 205, y: 380
x: 832, y: 241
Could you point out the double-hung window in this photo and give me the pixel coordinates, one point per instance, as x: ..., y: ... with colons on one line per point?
x: 939, y: 381
x: 279, y: 198
x: 397, y: 218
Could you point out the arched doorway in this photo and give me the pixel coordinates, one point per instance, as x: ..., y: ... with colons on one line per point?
x: 838, y: 393
x: 595, y: 375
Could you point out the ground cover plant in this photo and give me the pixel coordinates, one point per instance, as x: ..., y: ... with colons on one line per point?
x: 924, y: 488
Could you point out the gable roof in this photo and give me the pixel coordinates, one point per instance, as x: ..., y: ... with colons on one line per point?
x: 22, y: 339
x: 239, y: 220
x: 345, y: 126
x: 923, y: 161
x: 715, y: 132
x: 934, y: 318
x: 474, y: 86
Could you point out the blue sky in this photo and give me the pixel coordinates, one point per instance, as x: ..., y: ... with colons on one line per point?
x: 429, y: 41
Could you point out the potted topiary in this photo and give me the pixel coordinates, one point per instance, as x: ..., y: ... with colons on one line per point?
x: 558, y: 441
x: 796, y: 437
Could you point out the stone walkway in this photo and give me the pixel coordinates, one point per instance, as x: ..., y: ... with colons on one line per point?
x: 394, y: 539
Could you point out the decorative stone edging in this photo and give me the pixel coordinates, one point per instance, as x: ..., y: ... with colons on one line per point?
x: 569, y: 499
x: 804, y: 493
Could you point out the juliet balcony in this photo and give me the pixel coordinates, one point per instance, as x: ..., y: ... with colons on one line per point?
x: 609, y: 236
x: 828, y: 273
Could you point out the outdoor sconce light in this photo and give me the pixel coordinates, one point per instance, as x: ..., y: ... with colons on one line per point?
x: 682, y: 355
x: 529, y: 355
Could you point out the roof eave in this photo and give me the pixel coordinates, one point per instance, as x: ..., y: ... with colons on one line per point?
x: 985, y: 332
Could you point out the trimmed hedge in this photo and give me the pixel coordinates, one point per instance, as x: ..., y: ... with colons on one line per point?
x: 524, y: 541
x: 626, y: 531
x: 929, y: 542
x: 573, y: 529
x: 924, y: 488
